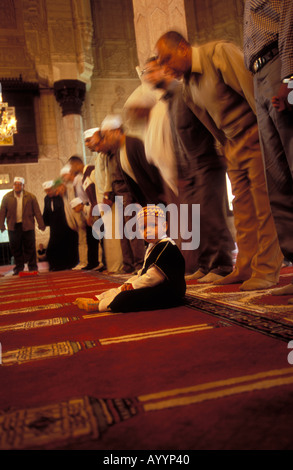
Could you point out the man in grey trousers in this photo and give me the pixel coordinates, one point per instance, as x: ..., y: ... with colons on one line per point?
x: 268, y: 54
x: 20, y: 208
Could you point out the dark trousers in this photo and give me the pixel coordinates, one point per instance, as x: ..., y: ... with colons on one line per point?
x: 23, y: 248
x: 149, y: 298
x: 207, y: 187
x: 133, y: 249
x: 93, y: 248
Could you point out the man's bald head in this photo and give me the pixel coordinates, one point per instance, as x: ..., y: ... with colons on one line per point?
x: 174, y: 53
x: 172, y: 39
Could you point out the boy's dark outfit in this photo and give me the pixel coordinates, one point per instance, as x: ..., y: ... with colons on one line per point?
x: 167, y: 258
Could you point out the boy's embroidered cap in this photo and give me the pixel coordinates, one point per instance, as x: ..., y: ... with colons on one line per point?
x: 151, y: 210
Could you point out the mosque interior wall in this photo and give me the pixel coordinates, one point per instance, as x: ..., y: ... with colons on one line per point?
x: 94, y: 42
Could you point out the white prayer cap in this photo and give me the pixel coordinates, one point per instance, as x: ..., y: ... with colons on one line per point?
x: 90, y: 132
x: 48, y: 184
x: 142, y: 97
x: 75, y: 202
x: 65, y: 170
x: 18, y: 179
x: 111, y: 122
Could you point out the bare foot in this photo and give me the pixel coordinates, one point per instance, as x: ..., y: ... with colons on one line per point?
x: 89, y: 305
x: 231, y: 278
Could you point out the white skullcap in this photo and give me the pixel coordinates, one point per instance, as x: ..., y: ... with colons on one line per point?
x: 65, y: 170
x: 142, y: 97
x: 18, y: 179
x: 48, y: 184
x: 90, y: 132
x: 111, y: 122
x: 75, y: 202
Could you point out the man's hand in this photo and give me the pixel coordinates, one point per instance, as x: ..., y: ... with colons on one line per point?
x: 90, y: 220
x: 108, y: 199
x: 280, y: 101
x: 126, y: 286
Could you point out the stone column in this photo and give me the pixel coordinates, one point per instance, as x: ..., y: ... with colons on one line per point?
x: 152, y: 18
x: 70, y: 95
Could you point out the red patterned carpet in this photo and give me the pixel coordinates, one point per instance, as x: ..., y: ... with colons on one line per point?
x: 188, y: 378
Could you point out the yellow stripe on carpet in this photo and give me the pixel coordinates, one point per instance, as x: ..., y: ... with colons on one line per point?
x: 155, y: 334
x: 259, y: 381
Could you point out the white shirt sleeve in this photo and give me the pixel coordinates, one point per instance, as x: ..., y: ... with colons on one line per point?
x: 151, y: 278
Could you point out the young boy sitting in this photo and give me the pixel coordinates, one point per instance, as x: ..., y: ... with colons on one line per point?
x: 159, y: 284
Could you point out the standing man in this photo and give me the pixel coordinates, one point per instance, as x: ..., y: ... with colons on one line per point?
x: 62, y: 249
x: 20, y: 208
x: 74, y: 219
x: 85, y: 189
x: 129, y: 182
x: 268, y: 54
x: 219, y: 90
x: 112, y: 253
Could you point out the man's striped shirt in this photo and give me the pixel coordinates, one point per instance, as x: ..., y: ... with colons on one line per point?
x: 269, y: 22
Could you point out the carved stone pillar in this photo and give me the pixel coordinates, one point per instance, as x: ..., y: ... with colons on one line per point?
x: 70, y: 95
x: 153, y: 18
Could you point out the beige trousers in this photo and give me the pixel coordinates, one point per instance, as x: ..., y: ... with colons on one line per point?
x: 259, y: 253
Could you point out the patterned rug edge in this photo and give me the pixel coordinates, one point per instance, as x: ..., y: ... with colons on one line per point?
x: 257, y: 322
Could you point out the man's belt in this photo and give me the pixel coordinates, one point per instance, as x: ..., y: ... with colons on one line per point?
x: 264, y: 59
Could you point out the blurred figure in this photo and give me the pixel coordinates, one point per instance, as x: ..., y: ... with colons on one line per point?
x: 62, y: 249
x: 77, y: 169
x: 136, y: 110
x: 76, y: 222
x: 20, y: 209
x: 201, y: 174
x: 80, y: 207
x: 125, y: 185
x: 219, y: 90
x: 112, y: 253
x: 142, y: 179
x: 48, y: 187
x: 85, y: 188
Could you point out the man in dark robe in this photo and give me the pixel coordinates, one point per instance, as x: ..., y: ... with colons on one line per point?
x: 62, y: 250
